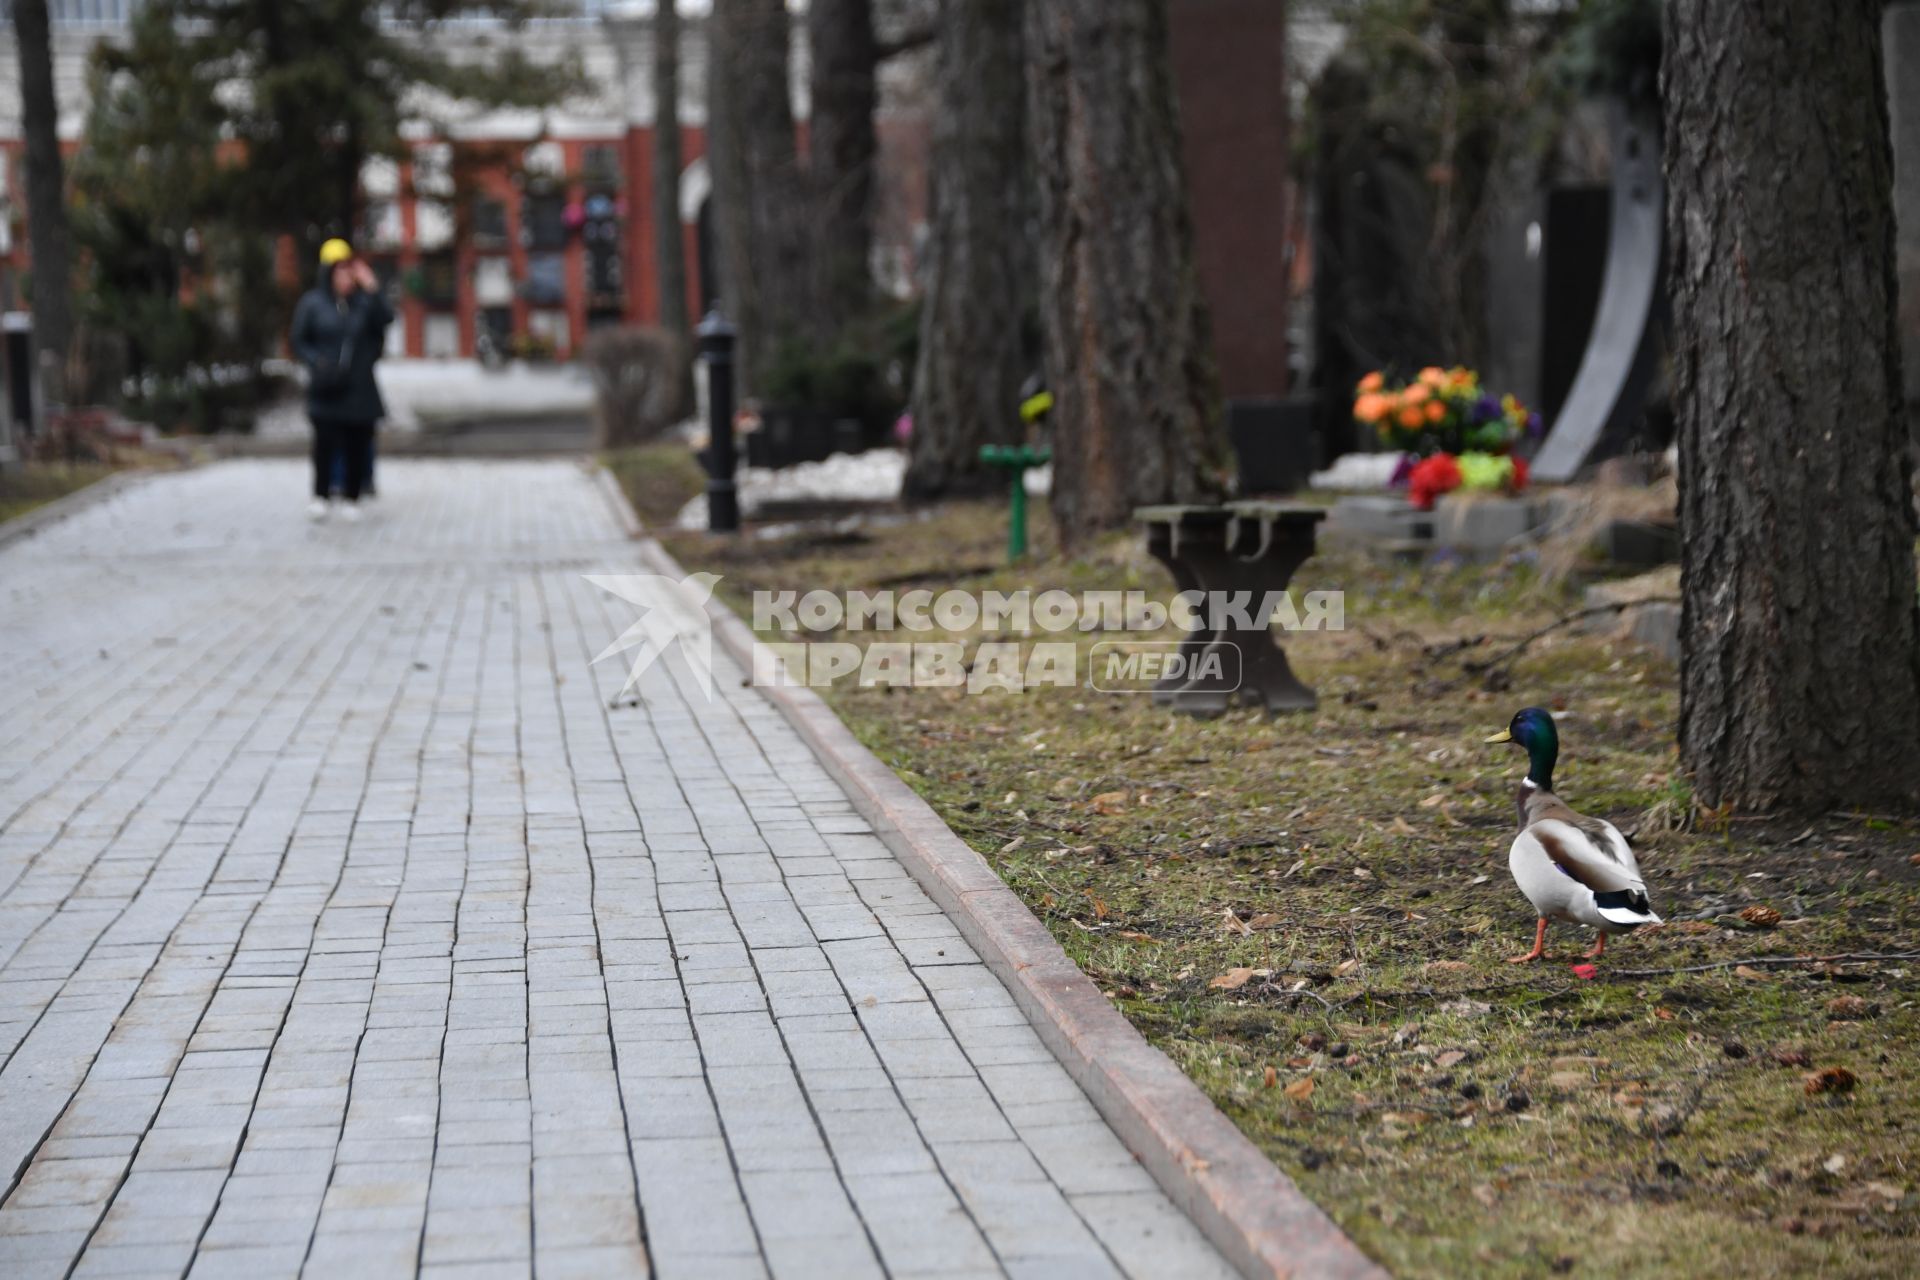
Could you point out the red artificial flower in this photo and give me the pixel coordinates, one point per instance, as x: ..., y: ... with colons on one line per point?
x: 1585, y: 972
x: 1432, y: 477
x: 1519, y: 473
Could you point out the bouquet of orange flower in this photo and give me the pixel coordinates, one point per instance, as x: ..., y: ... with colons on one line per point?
x: 1442, y: 411
x: 1454, y: 433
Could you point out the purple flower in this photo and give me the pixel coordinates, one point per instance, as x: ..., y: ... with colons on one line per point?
x: 1533, y: 426
x: 1486, y: 409
x: 1401, y: 471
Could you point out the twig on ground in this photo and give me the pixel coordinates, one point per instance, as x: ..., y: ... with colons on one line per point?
x: 1565, y: 620
x: 1280, y: 992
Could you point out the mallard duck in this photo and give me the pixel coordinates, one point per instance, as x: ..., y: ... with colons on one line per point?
x: 1571, y: 867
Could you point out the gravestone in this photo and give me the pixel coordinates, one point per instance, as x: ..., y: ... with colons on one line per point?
x: 1608, y: 398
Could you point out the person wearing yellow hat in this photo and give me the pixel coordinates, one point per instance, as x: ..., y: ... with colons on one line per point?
x: 339, y: 331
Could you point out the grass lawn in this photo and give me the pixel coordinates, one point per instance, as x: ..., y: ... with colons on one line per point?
x: 659, y: 479
x: 24, y: 487
x: 1311, y: 915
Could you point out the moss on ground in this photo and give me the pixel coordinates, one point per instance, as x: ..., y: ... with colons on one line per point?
x: 1310, y: 914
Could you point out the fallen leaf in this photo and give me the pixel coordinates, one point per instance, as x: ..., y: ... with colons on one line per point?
x: 1109, y: 802
x: 1749, y: 973
x: 1663, y: 1013
x: 1451, y: 1058
x: 1829, y: 1080
x: 1485, y: 1194
x: 1849, y: 1007
x: 1400, y: 826
x: 1269, y: 1078
x: 1787, y: 1056
x: 1265, y: 920
x: 1361, y: 873
x: 1761, y: 917
x: 1013, y: 844
x: 1234, y: 979
x: 1300, y: 1090
x: 1134, y: 935
x: 1434, y: 799
x: 1834, y: 1163
x: 1479, y: 880
x: 1446, y: 966
x: 1230, y: 922
x: 1345, y: 967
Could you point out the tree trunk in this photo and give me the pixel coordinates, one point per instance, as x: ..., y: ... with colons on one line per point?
x: 46, y: 198
x: 966, y: 386
x: 669, y: 244
x: 1130, y: 362
x: 1800, y: 657
x: 841, y: 147
x: 756, y: 178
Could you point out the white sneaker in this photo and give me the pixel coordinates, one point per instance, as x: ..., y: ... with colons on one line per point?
x: 317, y: 509
x: 350, y: 512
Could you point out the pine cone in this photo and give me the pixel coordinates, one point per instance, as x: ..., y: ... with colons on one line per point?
x: 1761, y: 917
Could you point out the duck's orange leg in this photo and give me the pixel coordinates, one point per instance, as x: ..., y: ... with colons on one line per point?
x: 1599, y: 948
x: 1539, y: 944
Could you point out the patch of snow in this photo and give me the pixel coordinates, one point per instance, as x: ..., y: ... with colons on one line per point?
x: 1357, y: 471
x: 422, y: 392
x: 849, y: 477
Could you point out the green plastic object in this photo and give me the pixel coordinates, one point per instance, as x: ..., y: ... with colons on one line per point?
x: 1016, y: 459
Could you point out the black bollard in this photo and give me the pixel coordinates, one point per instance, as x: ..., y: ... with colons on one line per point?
x: 716, y: 352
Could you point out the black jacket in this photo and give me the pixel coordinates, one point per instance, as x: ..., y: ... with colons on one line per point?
x: 327, y: 329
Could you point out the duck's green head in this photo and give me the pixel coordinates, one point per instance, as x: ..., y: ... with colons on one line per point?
x: 1533, y: 729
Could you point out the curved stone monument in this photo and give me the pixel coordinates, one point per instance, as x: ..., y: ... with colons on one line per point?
x: 1609, y: 391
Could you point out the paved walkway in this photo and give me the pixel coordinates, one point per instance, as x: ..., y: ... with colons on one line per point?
x: 346, y: 930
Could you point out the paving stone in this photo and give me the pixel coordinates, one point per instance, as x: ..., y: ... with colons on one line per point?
x: 365, y: 933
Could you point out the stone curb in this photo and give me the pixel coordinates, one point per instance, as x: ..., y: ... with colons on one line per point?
x: 51, y: 513
x: 1251, y: 1211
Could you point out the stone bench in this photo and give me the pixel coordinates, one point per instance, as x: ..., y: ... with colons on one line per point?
x: 1252, y: 547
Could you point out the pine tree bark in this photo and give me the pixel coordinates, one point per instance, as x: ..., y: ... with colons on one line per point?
x: 669, y: 244
x: 979, y: 265
x: 46, y: 197
x: 1800, y: 657
x: 841, y: 149
x: 758, y: 201
x: 1129, y: 359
